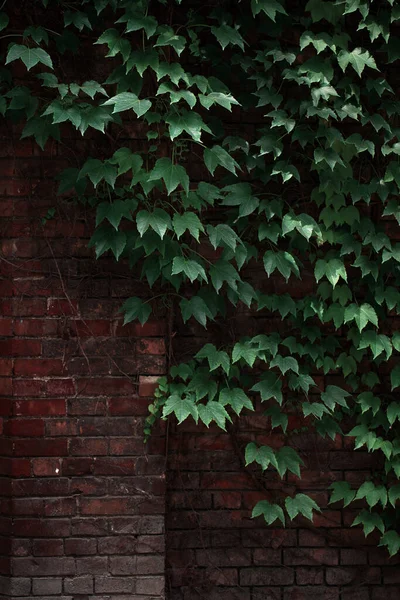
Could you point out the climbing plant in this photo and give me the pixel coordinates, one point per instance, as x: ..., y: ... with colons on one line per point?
x: 262, y: 178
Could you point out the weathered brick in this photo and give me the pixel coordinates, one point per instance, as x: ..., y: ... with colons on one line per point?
x: 115, y: 585
x: 47, y: 586
x: 79, y: 585
x: 34, y: 567
x: 266, y: 576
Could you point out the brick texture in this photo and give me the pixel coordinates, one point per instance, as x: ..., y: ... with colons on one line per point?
x: 82, y: 499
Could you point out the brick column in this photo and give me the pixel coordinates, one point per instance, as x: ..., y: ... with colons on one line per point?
x: 83, y: 493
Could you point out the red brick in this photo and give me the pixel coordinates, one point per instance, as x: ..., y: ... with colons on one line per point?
x: 20, y: 467
x: 109, y: 506
x: 80, y: 547
x: 117, y: 545
x: 77, y: 466
x: 59, y: 307
x: 128, y: 406
x: 20, y: 347
x: 115, y: 386
x: 40, y: 447
x: 46, y: 467
x: 6, y: 386
x: 227, y: 500
x: 42, y: 528
x: 25, y: 427
x: 5, y: 367
x: 90, y: 328
x: 49, y: 487
x: 48, y: 547
x: 28, y: 387
x: 126, y: 446
x: 60, y: 387
x: 88, y: 447
x: 58, y: 427
x: 42, y: 367
x: 40, y: 407
x: 233, y: 481
x: 38, y: 566
x: 151, y: 346
x: 6, y: 325
x: 6, y: 407
x: 35, y: 327
x: 147, y: 385
x: 27, y: 506
x: 28, y: 307
x: 60, y: 507
x: 311, y: 556
x: 149, y: 329
x: 87, y: 406
x: 115, y: 466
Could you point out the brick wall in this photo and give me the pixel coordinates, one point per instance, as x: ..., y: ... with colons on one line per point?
x: 216, y: 551
x: 83, y: 501
x: 82, y: 498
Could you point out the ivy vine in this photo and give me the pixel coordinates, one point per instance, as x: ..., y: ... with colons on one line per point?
x: 271, y: 145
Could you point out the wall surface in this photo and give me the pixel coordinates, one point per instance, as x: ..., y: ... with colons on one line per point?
x: 82, y: 498
x: 84, y: 503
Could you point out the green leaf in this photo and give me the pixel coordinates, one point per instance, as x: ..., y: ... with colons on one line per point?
x: 135, y: 308
x: 29, y: 56
x: 191, y: 268
x: 91, y: 88
x: 357, y: 59
x: 216, y: 358
x: 181, y: 407
x: 393, y: 412
x: 244, y: 350
x: 223, y: 235
x: 372, y: 493
x: 169, y: 38
x: 369, y: 521
x: 269, y: 7
x: 173, y: 175
x: 395, y: 377
x: 334, y: 395
x: 223, y: 271
x: 301, y: 505
x: 197, y: 308
x: 224, y: 100
x: 159, y: 220
x: 283, y: 261
x: 4, y: 20
x: 97, y: 170
x: 188, y: 221
x: 191, y: 122
x: 128, y: 101
x: 228, y: 35
x: 270, y: 512
x: 342, y: 491
x: 278, y: 418
x: 114, y: 212
x: 115, y: 43
x: 394, y: 494
x: 217, y: 156
x: 391, y: 539
x: 236, y: 398
x: 213, y: 411
x: 287, y: 459
x: 269, y: 387
x: 362, y: 315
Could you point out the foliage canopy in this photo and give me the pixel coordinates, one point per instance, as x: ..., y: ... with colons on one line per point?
x: 301, y: 185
